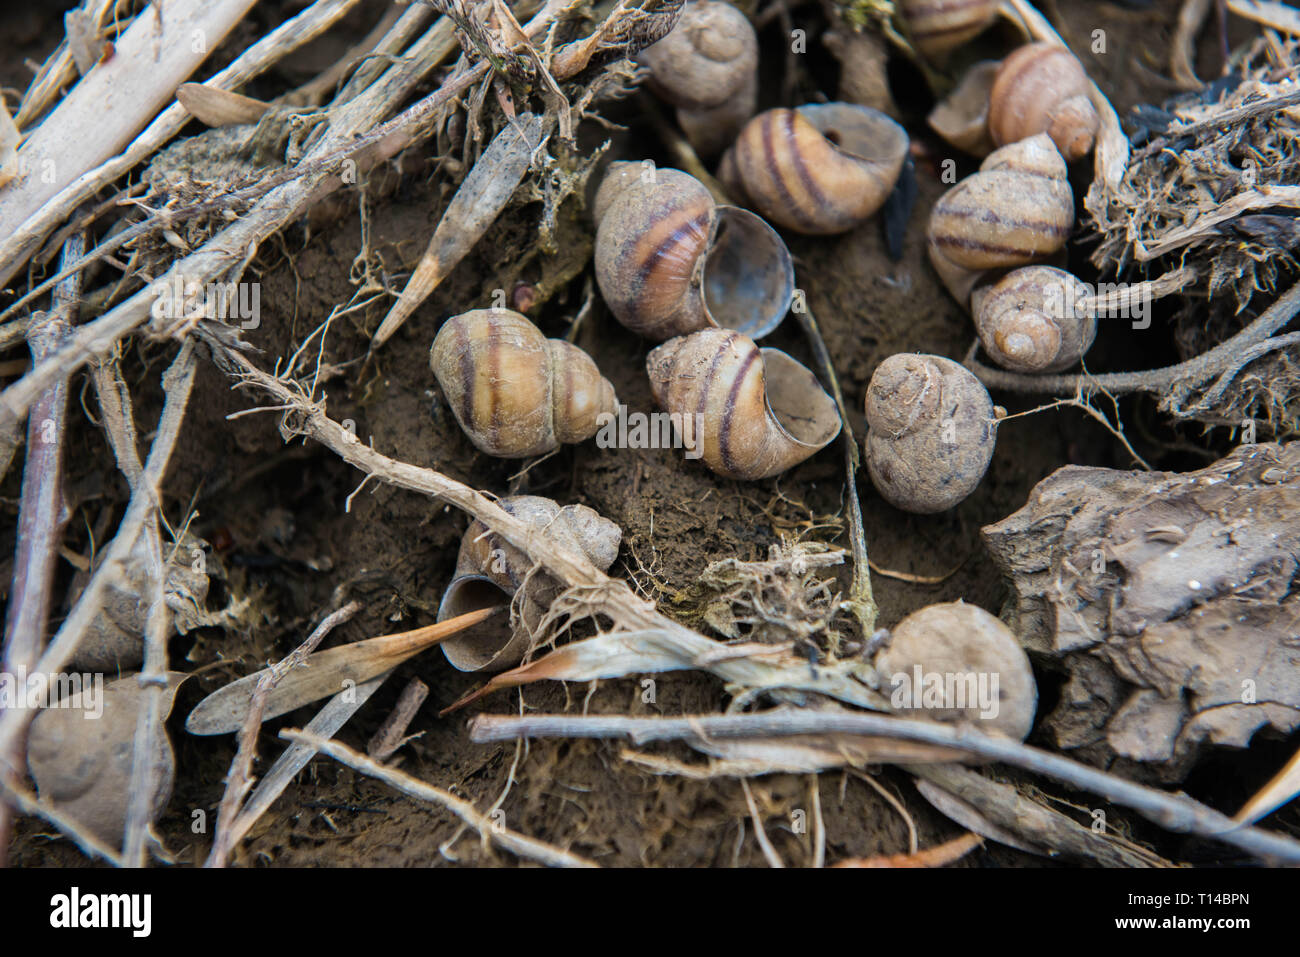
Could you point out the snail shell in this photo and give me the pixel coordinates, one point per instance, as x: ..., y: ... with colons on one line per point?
x: 515, y: 392
x: 819, y: 169
x: 763, y: 412
x: 490, y: 571
x: 83, y: 767
x: 1017, y: 209
x: 937, y: 27
x: 930, y: 432
x: 1042, y: 88
x: 1027, y: 320
x: 962, y: 640
x: 708, y: 68
x: 670, y: 261
x: 962, y: 117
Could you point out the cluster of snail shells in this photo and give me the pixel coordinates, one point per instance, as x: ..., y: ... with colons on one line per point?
x: 514, y: 392
x: 1039, y: 88
x: 670, y: 261
x: 954, y: 638
x: 1016, y: 210
x: 820, y: 169
x: 931, y: 429
x: 490, y: 571
x: 707, y: 67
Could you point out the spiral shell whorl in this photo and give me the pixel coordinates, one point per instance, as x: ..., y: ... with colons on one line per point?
x: 820, y: 169
x: 1042, y: 88
x: 927, y: 446
x: 1027, y: 321
x: 1018, y: 208
x: 514, y: 392
x: 762, y: 411
x: 707, y: 58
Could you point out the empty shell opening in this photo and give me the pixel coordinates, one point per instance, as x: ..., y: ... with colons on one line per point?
x: 798, y: 400
x: 748, y: 276
x: 858, y: 130
x: 474, y: 647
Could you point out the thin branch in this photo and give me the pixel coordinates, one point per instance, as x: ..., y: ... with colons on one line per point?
x: 41, y: 509
x: 178, y: 380
x: 512, y: 841
x: 1175, y: 812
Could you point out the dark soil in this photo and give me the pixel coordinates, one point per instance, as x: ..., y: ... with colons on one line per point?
x: 277, y: 520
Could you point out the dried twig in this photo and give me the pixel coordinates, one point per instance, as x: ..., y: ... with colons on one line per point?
x: 177, y: 383
x: 936, y: 856
x: 1174, y: 812
x: 27, y: 234
x: 41, y: 509
x: 860, y: 601
x: 512, y: 841
x: 392, y: 733
x: 239, y: 779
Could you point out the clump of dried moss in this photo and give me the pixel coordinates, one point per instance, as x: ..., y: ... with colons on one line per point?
x: 1212, y: 182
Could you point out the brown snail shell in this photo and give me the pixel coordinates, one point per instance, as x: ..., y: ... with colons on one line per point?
x: 490, y: 571
x: 962, y: 117
x: 1042, y: 88
x: 708, y: 68
x: 83, y: 767
x: 930, y: 432
x: 1027, y: 320
x: 515, y: 392
x: 1017, y: 209
x: 819, y: 169
x: 763, y: 412
x: 937, y: 27
x: 670, y: 261
x: 966, y: 642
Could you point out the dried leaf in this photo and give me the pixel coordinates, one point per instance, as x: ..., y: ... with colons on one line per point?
x: 322, y: 674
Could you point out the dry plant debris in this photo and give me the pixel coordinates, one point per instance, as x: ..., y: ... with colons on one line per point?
x: 1180, y: 635
x: 1167, y: 600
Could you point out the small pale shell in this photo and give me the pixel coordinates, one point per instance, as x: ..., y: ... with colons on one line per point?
x: 930, y: 432
x: 1028, y: 320
x: 489, y: 571
x: 962, y: 648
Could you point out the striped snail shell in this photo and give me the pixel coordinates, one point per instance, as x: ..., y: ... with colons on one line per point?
x: 708, y: 68
x: 490, y: 571
x: 930, y: 432
x: 937, y: 27
x: 1028, y: 320
x: 1017, y: 209
x: 820, y: 169
x: 962, y: 117
x: 670, y: 261
x: 515, y: 392
x: 762, y: 412
x: 1042, y: 88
